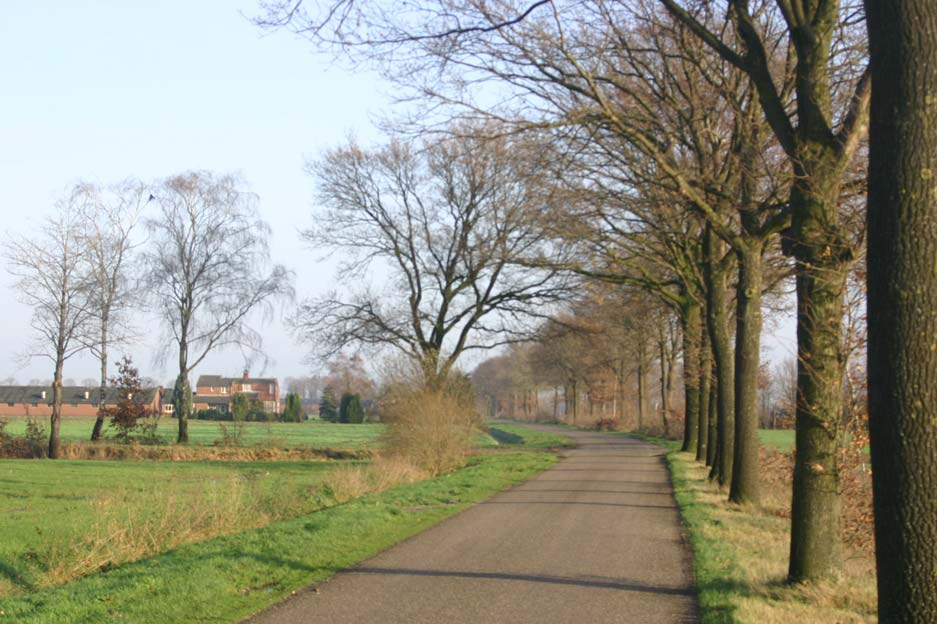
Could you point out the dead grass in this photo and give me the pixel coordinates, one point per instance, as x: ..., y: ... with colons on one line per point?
x: 109, y: 451
x: 385, y: 472
x: 742, y: 555
x: 135, y: 524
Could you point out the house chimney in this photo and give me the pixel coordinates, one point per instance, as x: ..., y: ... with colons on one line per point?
x: 245, y: 375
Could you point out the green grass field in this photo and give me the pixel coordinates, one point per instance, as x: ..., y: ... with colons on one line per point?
x: 226, y: 578
x: 778, y: 439
x: 47, y: 507
x: 54, y: 513
x: 203, y: 432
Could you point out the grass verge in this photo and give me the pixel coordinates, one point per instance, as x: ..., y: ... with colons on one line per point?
x: 741, y: 554
x: 518, y: 436
x: 228, y: 578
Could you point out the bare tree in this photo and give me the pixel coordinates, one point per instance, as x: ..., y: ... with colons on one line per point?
x: 109, y: 217
x: 443, y: 224
x: 52, y: 278
x: 208, y: 269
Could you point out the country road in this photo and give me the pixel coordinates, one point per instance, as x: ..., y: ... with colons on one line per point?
x: 594, y: 539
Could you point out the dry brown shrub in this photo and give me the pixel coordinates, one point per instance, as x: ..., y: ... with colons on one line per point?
x: 430, y: 429
x: 385, y: 472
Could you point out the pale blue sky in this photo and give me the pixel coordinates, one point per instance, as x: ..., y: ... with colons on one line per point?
x: 103, y: 90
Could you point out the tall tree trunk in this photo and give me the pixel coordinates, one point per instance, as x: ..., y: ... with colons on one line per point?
x: 556, y: 400
x: 902, y: 246
x: 620, y: 380
x: 718, y: 323
x: 816, y: 548
x: 664, y: 358
x: 102, y: 391
x: 745, y: 477
x: 55, y: 421
x: 713, y: 418
x: 642, y: 385
x: 705, y: 379
x: 691, y: 377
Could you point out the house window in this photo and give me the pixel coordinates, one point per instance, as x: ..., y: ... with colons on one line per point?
x: 10, y: 404
x: 224, y: 390
x: 35, y: 405
x: 74, y: 405
x: 211, y: 388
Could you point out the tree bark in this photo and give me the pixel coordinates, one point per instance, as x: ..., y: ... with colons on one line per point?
x: 713, y: 417
x: 55, y: 420
x: 642, y: 385
x: 705, y: 378
x: 691, y: 376
x: 717, y: 311
x: 816, y: 548
x: 102, y: 390
x: 902, y: 298
x: 745, y: 478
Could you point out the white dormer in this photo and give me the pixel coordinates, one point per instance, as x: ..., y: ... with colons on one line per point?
x: 87, y: 395
x: 43, y: 394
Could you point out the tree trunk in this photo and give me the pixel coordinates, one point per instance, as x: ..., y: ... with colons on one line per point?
x: 745, y: 477
x: 55, y: 421
x: 642, y: 387
x: 713, y: 417
x: 102, y: 391
x: 705, y: 378
x: 816, y: 550
x: 662, y: 350
x: 182, y: 406
x: 902, y: 298
x: 718, y: 317
x: 556, y: 400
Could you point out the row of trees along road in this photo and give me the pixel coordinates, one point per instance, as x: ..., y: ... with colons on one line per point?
x: 693, y: 141
x: 203, y: 266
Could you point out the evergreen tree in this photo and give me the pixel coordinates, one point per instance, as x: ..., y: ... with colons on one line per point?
x: 293, y: 412
x: 328, y: 407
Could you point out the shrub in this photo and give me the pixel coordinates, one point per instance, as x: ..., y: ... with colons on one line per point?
x: 432, y: 429
x: 131, y: 410
x: 606, y: 424
x: 31, y: 445
x: 213, y: 414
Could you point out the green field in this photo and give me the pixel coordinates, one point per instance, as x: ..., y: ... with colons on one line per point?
x: 54, y: 513
x: 315, y: 433
x: 778, y: 439
x: 47, y: 507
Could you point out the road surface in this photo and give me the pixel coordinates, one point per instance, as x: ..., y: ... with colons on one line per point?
x: 596, y: 538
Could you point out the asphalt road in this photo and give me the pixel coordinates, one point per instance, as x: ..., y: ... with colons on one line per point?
x: 596, y: 538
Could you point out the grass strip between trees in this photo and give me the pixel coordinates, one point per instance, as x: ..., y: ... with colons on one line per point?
x: 228, y: 578
x: 740, y: 560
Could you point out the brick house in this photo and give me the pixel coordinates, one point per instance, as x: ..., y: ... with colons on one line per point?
x: 76, y: 400
x: 216, y: 392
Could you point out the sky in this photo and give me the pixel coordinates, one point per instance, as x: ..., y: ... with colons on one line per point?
x: 104, y: 90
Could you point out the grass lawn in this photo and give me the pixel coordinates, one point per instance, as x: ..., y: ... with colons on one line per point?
x: 780, y: 439
x: 203, y: 432
x: 48, y: 507
x: 513, y: 436
x: 741, y: 554
x: 227, y: 578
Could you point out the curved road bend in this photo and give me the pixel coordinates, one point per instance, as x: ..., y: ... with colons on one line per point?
x: 596, y: 538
